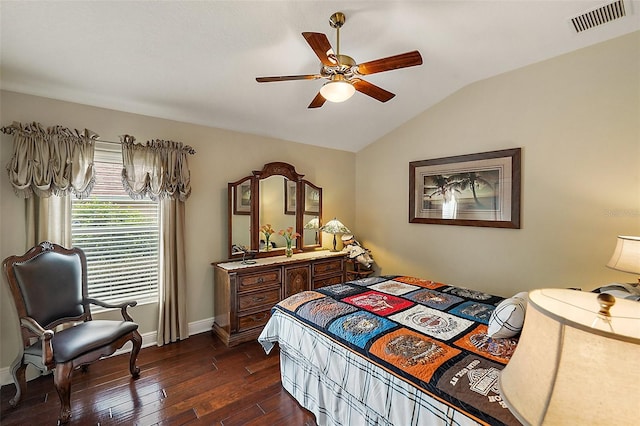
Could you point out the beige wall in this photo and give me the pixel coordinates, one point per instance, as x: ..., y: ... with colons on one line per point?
x: 222, y: 156
x: 577, y: 119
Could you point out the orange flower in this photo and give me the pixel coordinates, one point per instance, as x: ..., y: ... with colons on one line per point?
x: 288, y: 234
x: 267, y: 230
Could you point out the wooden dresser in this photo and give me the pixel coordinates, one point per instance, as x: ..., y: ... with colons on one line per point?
x: 244, y: 294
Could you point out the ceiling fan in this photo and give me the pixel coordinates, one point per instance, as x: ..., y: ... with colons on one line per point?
x: 343, y: 72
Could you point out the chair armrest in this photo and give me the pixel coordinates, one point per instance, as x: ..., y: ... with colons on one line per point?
x: 122, y: 306
x: 45, y: 337
x: 33, y: 326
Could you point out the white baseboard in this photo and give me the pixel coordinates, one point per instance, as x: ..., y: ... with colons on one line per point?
x: 148, y: 339
x: 201, y: 326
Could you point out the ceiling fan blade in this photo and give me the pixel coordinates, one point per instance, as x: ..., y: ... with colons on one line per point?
x: 317, y: 102
x: 372, y: 90
x: 288, y: 77
x: 321, y: 46
x: 404, y: 60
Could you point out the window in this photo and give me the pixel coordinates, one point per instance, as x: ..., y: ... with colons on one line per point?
x: 119, y: 235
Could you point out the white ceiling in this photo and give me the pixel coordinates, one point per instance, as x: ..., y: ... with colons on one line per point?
x: 197, y: 61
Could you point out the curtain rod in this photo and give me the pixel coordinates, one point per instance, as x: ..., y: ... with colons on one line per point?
x: 10, y: 130
x: 187, y: 148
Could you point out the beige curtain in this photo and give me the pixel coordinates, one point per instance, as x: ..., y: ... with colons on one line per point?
x: 55, y: 161
x: 45, y: 168
x: 160, y: 170
x: 172, y: 294
x: 48, y: 219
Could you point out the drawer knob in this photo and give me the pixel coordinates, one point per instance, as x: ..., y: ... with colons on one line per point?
x: 260, y: 280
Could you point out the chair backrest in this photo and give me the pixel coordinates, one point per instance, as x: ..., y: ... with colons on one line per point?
x: 49, y: 284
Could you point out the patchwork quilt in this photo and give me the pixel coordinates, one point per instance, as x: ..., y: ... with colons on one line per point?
x: 429, y: 334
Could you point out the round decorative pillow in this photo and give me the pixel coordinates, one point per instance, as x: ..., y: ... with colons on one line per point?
x: 508, y: 317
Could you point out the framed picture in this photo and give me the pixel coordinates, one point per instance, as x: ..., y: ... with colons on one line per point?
x: 312, y: 200
x: 289, y: 196
x: 242, y: 196
x: 470, y: 190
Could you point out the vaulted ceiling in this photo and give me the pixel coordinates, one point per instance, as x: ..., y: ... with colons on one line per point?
x: 197, y: 61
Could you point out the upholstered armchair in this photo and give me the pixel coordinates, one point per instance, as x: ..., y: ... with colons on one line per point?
x: 49, y: 288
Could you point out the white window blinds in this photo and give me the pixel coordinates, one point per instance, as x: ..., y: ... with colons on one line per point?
x: 119, y: 235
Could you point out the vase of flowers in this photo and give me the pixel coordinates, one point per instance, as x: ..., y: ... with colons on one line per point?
x: 267, y: 230
x: 289, y: 237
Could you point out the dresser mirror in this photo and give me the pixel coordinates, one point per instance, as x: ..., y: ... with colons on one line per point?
x: 272, y: 209
x: 311, y: 215
x: 270, y: 196
x: 240, y: 219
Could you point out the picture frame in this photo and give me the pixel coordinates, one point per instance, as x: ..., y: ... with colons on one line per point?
x: 242, y: 197
x: 290, y: 188
x: 482, y: 189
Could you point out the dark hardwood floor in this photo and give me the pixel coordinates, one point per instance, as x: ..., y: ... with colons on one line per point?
x: 198, y: 381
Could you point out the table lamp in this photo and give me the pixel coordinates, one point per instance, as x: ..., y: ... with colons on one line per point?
x: 313, y: 224
x: 576, y: 361
x: 334, y: 227
x: 626, y: 256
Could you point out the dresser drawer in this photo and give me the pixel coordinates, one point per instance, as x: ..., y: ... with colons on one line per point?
x: 327, y: 267
x: 262, y: 279
x: 321, y: 282
x: 257, y: 319
x: 267, y: 297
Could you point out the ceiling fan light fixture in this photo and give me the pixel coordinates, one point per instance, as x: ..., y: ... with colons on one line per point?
x: 338, y: 89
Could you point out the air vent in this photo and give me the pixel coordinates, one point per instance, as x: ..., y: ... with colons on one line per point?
x: 599, y: 16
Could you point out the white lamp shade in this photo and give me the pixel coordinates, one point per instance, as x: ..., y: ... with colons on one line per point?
x: 626, y: 256
x: 566, y: 372
x: 337, y: 90
x: 335, y: 227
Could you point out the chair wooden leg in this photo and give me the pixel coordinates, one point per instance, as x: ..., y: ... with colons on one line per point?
x: 137, y: 344
x: 18, y: 369
x: 62, y: 381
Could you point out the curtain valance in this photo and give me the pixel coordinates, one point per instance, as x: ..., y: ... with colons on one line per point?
x: 158, y: 169
x: 55, y: 161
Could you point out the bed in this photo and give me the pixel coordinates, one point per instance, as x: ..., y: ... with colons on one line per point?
x: 391, y: 350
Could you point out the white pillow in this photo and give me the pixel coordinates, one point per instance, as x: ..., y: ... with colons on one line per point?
x: 508, y: 317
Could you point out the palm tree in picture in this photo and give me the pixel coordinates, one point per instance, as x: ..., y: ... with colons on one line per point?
x: 446, y: 187
x: 473, y: 181
x: 434, y: 185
